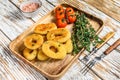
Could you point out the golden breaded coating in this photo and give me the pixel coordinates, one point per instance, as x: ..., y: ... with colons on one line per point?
x: 41, y: 56
x: 33, y: 41
x: 60, y: 35
x: 68, y: 46
x: 29, y: 54
x: 45, y: 28
x: 60, y: 52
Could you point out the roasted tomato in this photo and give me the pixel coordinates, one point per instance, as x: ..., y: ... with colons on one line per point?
x: 71, y: 18
x: 59, y: 9
x: 60, y: 15
x: 69, y: 11
x: 61, y: 23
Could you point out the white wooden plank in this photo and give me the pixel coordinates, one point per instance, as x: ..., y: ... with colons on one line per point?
x: 109, y: 7
x: 105, y: 71
x: 43, y: 10
x: 12, y: 21
x: 109, y: 23
x: 18, y: 67
x: 109, y: 67
x: 13, y: 65
x: 74, y: 73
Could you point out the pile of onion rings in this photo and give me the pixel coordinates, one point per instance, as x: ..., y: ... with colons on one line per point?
x: 46, y: 42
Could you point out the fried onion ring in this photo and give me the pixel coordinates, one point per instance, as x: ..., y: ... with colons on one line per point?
x: 41, y: 56
x: 45, y: 28
x: 68, y: 46
x: 60, y: 53
x: 33, y: 41
x: 29, y: 54
x: 60, y: 35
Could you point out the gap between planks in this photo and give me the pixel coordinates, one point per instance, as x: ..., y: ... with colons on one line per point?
x: 19, y: 9
x: 13, y: 60
x: 34, y: 20
x: 110, y: 7
x: 51, y: 7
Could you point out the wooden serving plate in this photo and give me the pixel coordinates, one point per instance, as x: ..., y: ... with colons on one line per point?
x: 52, y: 69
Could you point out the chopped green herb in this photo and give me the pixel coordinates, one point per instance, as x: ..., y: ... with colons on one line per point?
x: 83, y: 34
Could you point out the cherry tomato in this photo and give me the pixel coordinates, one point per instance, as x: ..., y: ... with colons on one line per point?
x: 71, y: 18
x: 60, y: 15
x: 59, y: 9
x: 69, y: 11
x: 61, y: 23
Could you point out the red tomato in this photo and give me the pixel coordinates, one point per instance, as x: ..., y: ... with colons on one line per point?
x: 61, y: 23
x: 60, y: 15
x: 71, y: 18
x: 59, y: 9
x: 69, y: 11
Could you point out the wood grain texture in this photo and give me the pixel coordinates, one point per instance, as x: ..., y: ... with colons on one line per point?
x: 110, y: 7
x: 108, y: 65
x: 12, y: 28
x: 110, y: 25
x: 112, y: 47
x: 14, y: 24
x: 108, y: 68
x: 13, y: 66
x: 43, y: 11
x: 74, y: 73
x: 11, y: 20
x: 52, y: 68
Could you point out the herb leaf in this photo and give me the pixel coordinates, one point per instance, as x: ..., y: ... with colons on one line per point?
x: 83, y: 34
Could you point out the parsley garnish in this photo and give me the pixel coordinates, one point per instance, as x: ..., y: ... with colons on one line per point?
x: 83, y: 34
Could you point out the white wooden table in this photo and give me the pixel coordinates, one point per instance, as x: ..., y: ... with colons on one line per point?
x: 13, y: 23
